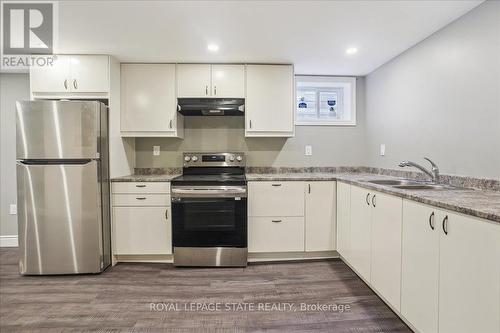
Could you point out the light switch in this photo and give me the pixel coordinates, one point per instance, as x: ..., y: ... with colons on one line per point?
x: 13, y: 209
x: 309, y: 150
x: 382, y: 149
x: 156, y: 150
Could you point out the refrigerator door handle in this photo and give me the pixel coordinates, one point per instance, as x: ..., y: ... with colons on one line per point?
x: 80, y: 161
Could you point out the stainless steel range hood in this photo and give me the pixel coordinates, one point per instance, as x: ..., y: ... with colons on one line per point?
x: 211, y: 106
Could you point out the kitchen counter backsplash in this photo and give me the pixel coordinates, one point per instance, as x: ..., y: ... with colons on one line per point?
x: 157, y: 171
x: 459, y: 181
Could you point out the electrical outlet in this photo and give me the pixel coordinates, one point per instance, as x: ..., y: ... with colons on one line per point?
x: 382, y: 149
x: 309, y: 150
x: 156, y: 150
x: 13, y: 209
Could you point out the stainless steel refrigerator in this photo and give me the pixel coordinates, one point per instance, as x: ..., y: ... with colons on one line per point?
x: 63, y: 187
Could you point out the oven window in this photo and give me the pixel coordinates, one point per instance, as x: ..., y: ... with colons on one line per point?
x: 209, y: 215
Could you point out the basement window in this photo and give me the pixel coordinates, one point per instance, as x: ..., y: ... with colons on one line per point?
x: 325, y: 100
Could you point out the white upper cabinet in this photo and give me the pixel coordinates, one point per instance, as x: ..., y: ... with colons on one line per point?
x: 148, y: 101
x: 269, y: 103
x: 193, y: 80
x: 228, y: 81
x: 205, y: 80
x: 89, y: 73
x: 52, y: 79
x: 320, y: 216
x: 72, y: 75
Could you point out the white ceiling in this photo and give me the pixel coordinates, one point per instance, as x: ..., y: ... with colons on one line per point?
x: 311, y: 34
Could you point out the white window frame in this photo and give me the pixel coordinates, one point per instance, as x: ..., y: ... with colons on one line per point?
x: 344, y: 80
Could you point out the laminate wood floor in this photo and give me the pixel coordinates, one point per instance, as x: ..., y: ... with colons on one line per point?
x: 119, y: 300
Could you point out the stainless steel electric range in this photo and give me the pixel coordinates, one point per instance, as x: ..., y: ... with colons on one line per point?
x: 209, y: 210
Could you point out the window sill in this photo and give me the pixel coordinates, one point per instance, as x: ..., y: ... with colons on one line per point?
x: 320, y: 123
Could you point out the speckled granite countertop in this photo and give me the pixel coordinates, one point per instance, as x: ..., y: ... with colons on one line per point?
x: 146, y: 178
x: 479, y: 203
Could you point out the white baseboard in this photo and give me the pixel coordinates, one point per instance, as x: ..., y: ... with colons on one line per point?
x: 8, y: 241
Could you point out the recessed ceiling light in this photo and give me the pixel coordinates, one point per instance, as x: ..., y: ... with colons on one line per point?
x: 213, y: 47
x: 351, y: 50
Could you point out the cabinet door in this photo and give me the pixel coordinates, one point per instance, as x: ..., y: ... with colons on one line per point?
x: 52, y: 79
x: 193, y: 80
x: 469, y: 275
x: 89, y: 73
x: 228, y: 81
x: 276, y: 198
x: 276, y: 234
x: 148, y: 102
x: 385, y: 273
x: 142, y: 230
x: 420, y: 266
x: 344, y: 219
x: 360, y: 238
x: 269, y: 100
x: 320, y: 216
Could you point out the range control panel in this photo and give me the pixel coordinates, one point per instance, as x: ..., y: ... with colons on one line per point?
x: 213, y: 160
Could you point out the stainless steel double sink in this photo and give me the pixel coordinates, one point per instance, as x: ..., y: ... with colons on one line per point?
x: 409, y: 184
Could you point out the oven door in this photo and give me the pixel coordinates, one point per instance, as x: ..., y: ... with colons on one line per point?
x: 209, y: 217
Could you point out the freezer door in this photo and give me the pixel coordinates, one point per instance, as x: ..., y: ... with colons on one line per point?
x: 59, y: 218
x: 57, y: 129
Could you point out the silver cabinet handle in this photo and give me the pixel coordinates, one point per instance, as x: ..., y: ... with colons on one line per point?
x: 66, y: 84
x: 431, y: 220
x: 367, y: 200
x: 141, y: 198
x: 309, y: 185
x: 373, y: 200
x: 276, y: 221
x: 170, y: 124
x: 445, y: 225
x: 215, y: 90
x: 275, y: 184
x: 206, y: 90
x: 140, y: 185
x: 166, y: 214
x: 75, y: 84
x: 250, y: 123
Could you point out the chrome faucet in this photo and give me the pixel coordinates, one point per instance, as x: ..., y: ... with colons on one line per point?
x: 434, y: 173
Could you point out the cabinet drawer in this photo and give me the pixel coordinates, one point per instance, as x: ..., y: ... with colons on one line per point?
x: 276, y: 198
x: 141, y: 200
x: 142, y: 230
x: 141, y: 187
x: 276, y: 234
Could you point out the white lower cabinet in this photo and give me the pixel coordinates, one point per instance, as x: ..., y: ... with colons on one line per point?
x: 275, y: 234
x: 385, y: 275
x: 420, y: 266
x: 450, y: 280
x: 344, y: 220
x: 141, y: 217
x: 276, y: 198
x: 469, y: 274
x: 291, y: 216
x: 360, y: 231
x: 320, y: 216
x: 142, y: 230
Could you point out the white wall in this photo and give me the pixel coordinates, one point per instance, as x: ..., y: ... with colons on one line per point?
x: 13, y: 87
x: 441, y: 99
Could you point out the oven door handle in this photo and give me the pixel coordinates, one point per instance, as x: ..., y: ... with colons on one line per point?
x: 209, y: 192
